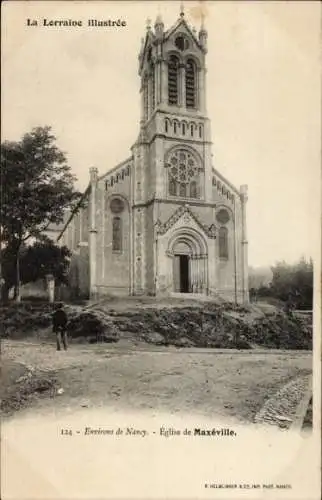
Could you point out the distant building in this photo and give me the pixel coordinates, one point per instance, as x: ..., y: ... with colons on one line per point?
x: 165, y: 220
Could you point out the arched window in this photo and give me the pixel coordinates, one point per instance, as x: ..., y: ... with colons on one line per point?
x: 223, y: 243
x: 200, y: 131
x: 172, y: 186
x: 183, y: 190
x: 117, y: 234
x: 183, y: 129
x: 174, y: 127
x: 191, y: 130
x: 190, y: 84
x: 173, y: 78
x: 183, y: 175
x: 166, y: 126
x: 193, y: 189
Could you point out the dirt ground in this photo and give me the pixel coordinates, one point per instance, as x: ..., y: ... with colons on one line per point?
x: 145, y: 386
x: 228, y: 383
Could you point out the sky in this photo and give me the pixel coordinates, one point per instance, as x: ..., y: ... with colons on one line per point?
x: 263, y: 99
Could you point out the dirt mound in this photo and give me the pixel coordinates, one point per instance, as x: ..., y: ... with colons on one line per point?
x: 94, y: 326
x: 205, y: 325
x: 184, y: 327
x: 220, y: 326
x: 19, y: 319
x: 23, y: 319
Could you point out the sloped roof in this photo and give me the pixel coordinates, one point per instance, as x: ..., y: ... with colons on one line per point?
x: 223, y: 179
x: 55, y: 227
x: 115, y: 169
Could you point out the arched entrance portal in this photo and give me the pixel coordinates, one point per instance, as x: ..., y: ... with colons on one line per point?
x: 181, y: 267
x: 189, y: 252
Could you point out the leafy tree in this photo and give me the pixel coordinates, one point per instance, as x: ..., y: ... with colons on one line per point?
x: 38, y: 260
x: 294, y: 283
x: 291, y: 283
x: 37, y: 187
x: 45, y: 258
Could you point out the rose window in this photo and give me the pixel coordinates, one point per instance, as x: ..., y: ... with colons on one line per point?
x: 222, y: 216
x: 184, y: 179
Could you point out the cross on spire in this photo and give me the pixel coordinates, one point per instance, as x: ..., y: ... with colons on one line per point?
x: 202, y: 14
x: 202, y: 18
x: 181, y: 10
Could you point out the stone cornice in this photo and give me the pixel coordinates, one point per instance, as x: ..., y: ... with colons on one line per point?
x: 195, y: 203
x: 175, y: 139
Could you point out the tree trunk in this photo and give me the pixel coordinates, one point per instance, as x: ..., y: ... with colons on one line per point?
x: 5, y: 293
x: 17, y: 296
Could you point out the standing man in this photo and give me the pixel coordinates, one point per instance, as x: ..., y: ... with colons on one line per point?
x: 59, y: 326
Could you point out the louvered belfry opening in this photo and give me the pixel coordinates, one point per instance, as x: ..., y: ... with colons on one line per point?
x: 152, y: 87
x: 173, y: 68
x: 190, y: 84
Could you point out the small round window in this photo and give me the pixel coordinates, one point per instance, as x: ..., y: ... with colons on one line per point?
x: 222, y: 216
x: 181, y: 43
x: 117, y: 205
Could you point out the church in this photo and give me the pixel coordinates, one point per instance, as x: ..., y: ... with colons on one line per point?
x: 164, y: 222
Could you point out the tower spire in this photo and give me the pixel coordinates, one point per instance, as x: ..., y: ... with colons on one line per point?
x: 203, y: 35
x: 159, y: 25
x: 181, y: 10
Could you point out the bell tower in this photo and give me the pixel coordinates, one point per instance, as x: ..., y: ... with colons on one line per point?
x: 172, y: 69
x: 172, y: 154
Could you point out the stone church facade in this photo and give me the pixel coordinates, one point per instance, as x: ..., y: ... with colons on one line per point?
x: 164, y: 221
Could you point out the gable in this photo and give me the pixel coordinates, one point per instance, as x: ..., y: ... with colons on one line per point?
x: 182, y: 27
x: 183, y: 216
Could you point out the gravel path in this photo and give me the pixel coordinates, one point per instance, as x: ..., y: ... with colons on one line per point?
x: 284, y: 409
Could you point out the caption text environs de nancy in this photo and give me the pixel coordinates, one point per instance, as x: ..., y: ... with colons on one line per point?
x: 76, y: 23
